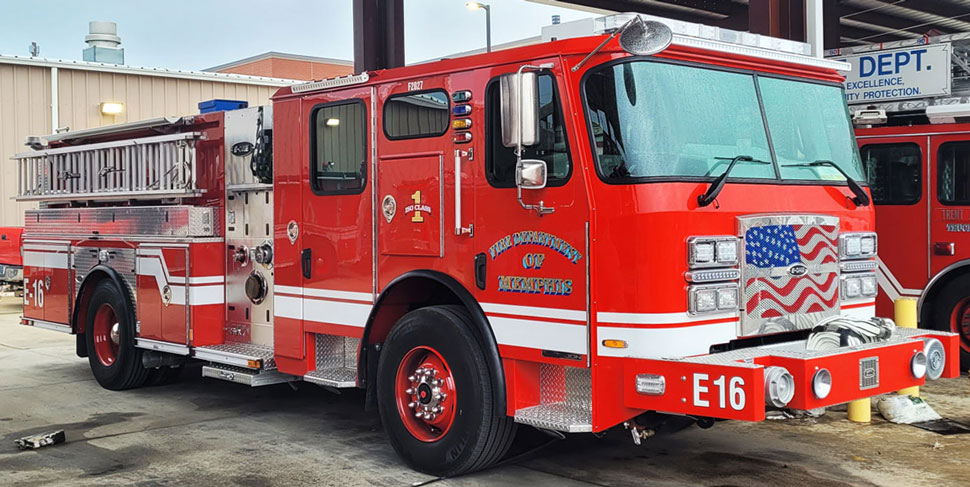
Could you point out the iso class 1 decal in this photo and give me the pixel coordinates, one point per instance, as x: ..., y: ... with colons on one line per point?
x: 533, y: 261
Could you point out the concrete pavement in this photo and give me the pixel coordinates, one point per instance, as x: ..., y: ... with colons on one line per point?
x: 208, y: 432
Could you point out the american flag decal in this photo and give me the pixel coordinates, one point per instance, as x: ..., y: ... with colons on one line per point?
x: 771, y: 250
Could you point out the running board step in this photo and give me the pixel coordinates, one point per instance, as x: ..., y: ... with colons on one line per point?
x: 557, y: 417
x: 339, y: 377
x: 336, y: 361
x: 249, y: 377
x: 246, y: 355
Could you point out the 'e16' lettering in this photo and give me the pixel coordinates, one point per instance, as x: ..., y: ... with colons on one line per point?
x: 729, y: 391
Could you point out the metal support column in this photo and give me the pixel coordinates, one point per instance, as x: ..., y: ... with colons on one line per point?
x: 777, y: 18
x: 378, y: 34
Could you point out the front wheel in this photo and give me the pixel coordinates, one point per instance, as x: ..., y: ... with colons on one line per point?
x: 435, y: 395
x: 952, y: 313
x: 109, y: 332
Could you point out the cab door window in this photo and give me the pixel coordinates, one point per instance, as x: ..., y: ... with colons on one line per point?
x: 894, y: 172
x: 338, y: 148
x: 552, y: 146
x: 953, y: 173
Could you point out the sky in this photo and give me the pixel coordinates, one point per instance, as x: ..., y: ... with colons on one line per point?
x: 198, y: 34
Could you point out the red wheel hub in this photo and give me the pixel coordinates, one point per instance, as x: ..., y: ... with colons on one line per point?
x: 106, y: 332
x: 425, y: 394
x: 960, y: 322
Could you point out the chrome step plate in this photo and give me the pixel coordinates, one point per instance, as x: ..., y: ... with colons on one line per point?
x: 238, y: 354
x: 339, y: 377
x: 249, y: 377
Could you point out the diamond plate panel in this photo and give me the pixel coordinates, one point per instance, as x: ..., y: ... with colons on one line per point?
x: 138, y: 221
x: 121, y: 260
x: 232, y: 352
x: 336, y: 361
x: 565, y: 400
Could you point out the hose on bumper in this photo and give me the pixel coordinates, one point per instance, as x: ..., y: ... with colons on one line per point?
x: 840, y: 331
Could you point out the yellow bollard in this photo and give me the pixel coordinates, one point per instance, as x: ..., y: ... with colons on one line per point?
x: 905, y: 311
x: 860, y: 411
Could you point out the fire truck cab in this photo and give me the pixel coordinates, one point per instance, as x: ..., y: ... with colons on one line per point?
x: 635, y: 220
x: 915, y: 148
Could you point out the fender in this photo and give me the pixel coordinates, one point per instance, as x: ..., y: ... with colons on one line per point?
x: 940, y: 278
x: 479, y: 323
x: 97, y: 273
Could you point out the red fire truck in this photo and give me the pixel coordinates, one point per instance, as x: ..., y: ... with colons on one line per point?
x: 636, y: 221
x: 916, y: 152
x: 11, y: 261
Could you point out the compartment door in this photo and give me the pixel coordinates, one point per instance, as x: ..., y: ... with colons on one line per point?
x: 949, y: 200
x: 898, y: 179
x: 411, y: 222
x: 47, y: 285
x: 163, y: 293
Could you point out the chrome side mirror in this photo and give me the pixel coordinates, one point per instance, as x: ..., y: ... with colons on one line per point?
x: 519, y: 98
x: 531, y: 174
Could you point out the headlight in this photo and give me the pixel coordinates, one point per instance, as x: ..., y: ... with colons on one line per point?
x: 727, y: 298
x: 917, y: 365
x: 703, y: 253
x: 712, y: 251
x: 857, y: 245
x: 727, y: 252
x: 706, y: 300
x: 822, y: 383
x: 712, y: 297
x: 852, y: 288
x: 858, y: 285
x: 869, y: 287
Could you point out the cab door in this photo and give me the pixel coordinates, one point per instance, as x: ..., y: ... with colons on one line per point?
x: 950, y: 200
x: 533, y: 265
x: 898, y: 179
x: 336, y: 259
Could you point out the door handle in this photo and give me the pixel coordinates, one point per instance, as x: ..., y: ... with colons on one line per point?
x: 306, y: 259
x: 944, y: 248
x: 459, y: 229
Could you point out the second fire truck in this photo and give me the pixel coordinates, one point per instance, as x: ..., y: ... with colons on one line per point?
x: 915, y: 147
x: 632, y: 221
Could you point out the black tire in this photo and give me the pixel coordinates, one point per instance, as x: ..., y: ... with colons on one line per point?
x: 955, y: 293
x: 163, y: 376
x: 126, y: 370
x: 480, y: 433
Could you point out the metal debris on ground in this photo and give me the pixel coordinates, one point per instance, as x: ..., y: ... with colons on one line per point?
x: 944, y: 426
x: 39, y: 441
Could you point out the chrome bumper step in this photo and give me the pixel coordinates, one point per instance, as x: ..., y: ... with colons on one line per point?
x: 339, y: 377
x: 249, y: 377
x: 557, y: 417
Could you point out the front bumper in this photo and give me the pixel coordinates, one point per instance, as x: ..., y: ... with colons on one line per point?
x: 731, y: 385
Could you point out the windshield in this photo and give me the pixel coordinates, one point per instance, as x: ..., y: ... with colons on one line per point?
x: 655, y: 119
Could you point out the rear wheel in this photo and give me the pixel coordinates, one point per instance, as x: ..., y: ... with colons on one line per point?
x: 115, y: 362
x: 952, y: 313
x: 435, y: 395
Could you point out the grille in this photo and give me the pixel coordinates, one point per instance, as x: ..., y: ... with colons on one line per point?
x: 790, y: 272
x: 868, y: 373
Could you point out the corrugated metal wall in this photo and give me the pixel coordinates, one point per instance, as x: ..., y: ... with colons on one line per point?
x: 25, y: 99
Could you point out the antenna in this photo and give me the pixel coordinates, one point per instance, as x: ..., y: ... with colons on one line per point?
x: 34, y: 49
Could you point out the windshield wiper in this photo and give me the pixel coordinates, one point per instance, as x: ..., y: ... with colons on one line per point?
x: 711, y: 194
x: 861, y: 198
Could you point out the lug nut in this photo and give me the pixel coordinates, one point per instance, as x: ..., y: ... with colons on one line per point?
x: 411, y: 378
x: 412, y: 404
x: 409, y: 391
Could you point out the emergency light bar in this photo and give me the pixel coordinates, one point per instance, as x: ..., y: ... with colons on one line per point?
x: 701, y: 36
